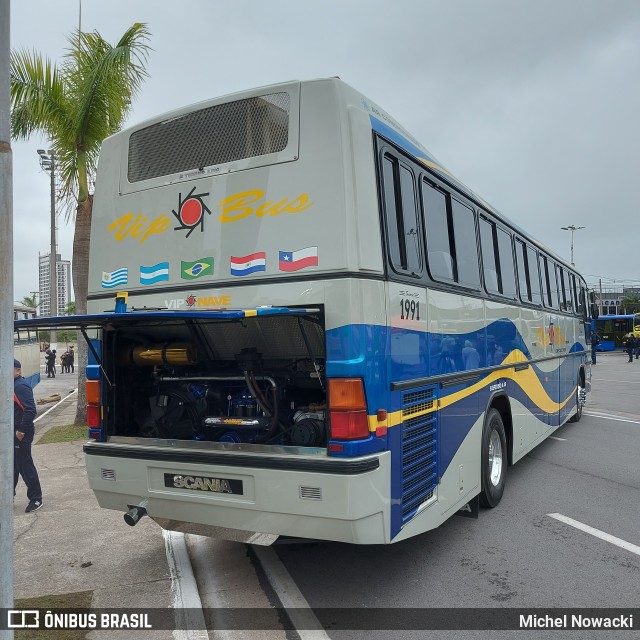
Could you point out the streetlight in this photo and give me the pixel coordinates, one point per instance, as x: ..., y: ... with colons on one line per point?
x: 48, y: 163
x: 573, y: 229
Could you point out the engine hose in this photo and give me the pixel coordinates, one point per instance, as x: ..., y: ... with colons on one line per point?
x: 273, y: 425
x: 257, y: 394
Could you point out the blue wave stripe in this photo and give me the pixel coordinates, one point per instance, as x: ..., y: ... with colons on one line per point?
x: 113, y: 283
x: 382, y: 355
x: 245, y: 272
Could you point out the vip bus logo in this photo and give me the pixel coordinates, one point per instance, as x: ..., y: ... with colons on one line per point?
x: 191, y: 211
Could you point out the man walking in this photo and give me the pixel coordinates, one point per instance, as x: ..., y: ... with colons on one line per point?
x: 595, y: 341
x: 630, y: 346
x: 24, y: 412
x: 70, y: 359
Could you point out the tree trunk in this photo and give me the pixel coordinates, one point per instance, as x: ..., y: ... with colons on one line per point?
x: 81, y: 239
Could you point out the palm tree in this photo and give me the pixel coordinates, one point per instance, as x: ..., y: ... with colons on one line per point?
x: 77, y: 105
x: 631, y: 303
x: 30, y: 301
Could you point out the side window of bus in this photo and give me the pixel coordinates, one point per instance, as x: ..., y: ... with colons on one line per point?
x: 452, y: 251
x: 439, y: 258
x: 562, y: 294
x: 549, y: 283
x: 505, y: 246
x: 534, y: 275
x: 566, y: 300
x: 553, y: 284
x: 582, y: 296
x: 403, y: 231
x: 466, y: 248
x: 523, y: 275
x: 489, y: 256
x: 544, y: 279
x: 497, y: 259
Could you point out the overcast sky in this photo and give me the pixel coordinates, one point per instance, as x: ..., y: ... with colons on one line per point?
x: 535, y: 105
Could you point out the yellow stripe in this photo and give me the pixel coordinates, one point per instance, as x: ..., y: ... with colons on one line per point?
x: 526, y: 379
x: 250, y: 313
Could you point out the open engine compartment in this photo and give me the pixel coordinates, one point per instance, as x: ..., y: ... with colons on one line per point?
x: 251, y: 380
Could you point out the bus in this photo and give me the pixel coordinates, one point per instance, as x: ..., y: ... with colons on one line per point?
x: 301, y: 324
x: 613, y: 330
x: 26, y: 345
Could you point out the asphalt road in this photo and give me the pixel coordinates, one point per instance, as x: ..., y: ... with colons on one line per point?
x: 516, y: 555
x: 62, y: 384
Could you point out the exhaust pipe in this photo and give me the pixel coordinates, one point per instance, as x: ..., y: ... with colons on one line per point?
x: 133, y: 516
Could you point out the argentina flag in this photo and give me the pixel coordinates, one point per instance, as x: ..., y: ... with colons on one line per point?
x: 111, y: 279
x: 156, y: 273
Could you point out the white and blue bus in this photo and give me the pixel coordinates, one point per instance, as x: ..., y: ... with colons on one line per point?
x: 318, y: 331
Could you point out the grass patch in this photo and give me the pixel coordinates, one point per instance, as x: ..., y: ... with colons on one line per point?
x: 64, y: 433
x: 79, y: 600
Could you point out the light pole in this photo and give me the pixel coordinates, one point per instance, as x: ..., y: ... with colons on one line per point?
x: 573, y: 229
x: 48, y: 163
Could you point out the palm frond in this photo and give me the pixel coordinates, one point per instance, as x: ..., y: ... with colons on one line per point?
x: 37, y: 95
x: 107, y: 78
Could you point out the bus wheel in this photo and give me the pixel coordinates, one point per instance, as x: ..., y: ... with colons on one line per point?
x: 580, y: 400
x: 494, y: 460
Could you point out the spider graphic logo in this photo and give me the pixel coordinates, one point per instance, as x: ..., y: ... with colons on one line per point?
x: 191, y: 211
x: 191, y: 300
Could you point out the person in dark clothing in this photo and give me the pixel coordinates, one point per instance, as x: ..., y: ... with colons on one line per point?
x: 630, y: 346
x: 70, y: 359
x: 595, y: 341
x: 50, y: 357
x: 24, y: 412
x: 64, y: 361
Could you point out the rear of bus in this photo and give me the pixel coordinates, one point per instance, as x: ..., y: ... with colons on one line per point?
x: 242, y: 387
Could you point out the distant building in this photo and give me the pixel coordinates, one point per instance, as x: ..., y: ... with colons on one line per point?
x: 610, y: 301
x: 63, y: 286
x: 22, y: 312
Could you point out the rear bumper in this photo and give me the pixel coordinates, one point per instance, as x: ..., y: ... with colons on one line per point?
x: 196, y: 486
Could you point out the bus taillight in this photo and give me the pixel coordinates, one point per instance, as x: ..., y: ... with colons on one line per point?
x: 347, y: 409
x: 94, y: 408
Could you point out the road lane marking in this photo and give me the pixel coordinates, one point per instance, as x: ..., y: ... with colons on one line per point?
x: 623, y: 544
x: 556, y: 438
x: 292, y: 600
x: 186, y: 599
x: 601, y: 415
x: 57, y: 404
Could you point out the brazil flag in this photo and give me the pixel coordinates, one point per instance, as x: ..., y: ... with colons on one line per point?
x: 197, y: 269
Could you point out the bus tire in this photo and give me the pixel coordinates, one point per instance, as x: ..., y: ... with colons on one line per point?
x: 578, y: 414
x: 494, y: 460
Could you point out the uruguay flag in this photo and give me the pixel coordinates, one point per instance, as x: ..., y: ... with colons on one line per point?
x: 111, y: 279
x: 296, y: 260
x: 156, y: 273
x: 244, y: 265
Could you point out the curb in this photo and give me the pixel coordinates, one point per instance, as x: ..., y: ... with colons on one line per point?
x: 52, y: 423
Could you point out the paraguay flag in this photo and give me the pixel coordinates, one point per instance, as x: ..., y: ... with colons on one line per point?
x: 244, y: 265
x: 111, y: 279
x: 155, y: 273
x: 296, y: 260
